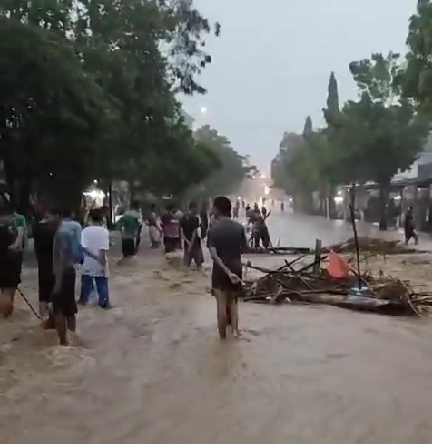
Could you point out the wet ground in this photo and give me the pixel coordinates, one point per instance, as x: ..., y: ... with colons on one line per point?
x: 153, y: 370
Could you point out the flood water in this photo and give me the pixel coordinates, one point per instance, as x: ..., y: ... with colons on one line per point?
x: 153, y: 370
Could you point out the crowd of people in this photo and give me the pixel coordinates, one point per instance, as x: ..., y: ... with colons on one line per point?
x: 62, y: 246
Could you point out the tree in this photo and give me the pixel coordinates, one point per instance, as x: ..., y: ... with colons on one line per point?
x: 49, y: 120
x: 380, y: 133
x: 120, y: 43
x: 416, y: 78
x: 280, y: 171
x: 333, y: 106
x: 233, y: 168
x: 370, y: 139
x: 308, y: 127
x: 137, y: 54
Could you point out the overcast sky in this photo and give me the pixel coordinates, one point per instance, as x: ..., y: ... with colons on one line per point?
x: 271, y: 64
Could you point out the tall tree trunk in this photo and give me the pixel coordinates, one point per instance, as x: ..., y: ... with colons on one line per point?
x: 383, y: 201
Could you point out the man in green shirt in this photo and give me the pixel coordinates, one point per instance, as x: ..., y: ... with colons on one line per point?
x: 129, y: 226
x: 21, y: 228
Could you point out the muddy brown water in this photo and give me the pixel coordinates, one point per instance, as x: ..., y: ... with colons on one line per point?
x: 153, y: 370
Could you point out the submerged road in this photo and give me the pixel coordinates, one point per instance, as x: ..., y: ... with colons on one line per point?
x: 153, y: 370
x: 299, y: 230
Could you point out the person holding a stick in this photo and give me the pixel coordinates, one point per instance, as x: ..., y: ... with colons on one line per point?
x: 190, y: 225
x: 43, y: 237
x: 63, y: 295
x: 226, y: 241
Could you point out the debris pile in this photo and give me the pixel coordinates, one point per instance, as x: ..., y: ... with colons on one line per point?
x: 302, y: 285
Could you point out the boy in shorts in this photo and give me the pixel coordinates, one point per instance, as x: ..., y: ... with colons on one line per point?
x: 226, y: 241
x: 63, y: 298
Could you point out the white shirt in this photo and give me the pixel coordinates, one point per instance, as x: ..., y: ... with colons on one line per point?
x: 95, y: 238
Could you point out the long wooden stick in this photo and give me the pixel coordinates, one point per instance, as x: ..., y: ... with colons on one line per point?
x: 354, y: 227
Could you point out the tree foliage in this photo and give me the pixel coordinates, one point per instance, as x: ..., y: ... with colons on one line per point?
x: 101, y: 100
x: 416, y: 79
x: 232, y: 167
x: 49, y: 118
x: 368, y: 139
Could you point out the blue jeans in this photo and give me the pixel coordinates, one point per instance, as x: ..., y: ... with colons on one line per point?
x: 101, y: 287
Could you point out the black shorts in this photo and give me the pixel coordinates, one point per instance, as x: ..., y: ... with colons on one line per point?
x: 220, y: 280
x: 193, y: 254
x: 265, y: 237
x: 171, y: 244
x: 64, y: 302
x: 45, y: 282
x: 10, y: 269
x: 128, y: 247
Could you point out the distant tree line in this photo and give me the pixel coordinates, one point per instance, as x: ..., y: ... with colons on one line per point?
x: 372, y: 137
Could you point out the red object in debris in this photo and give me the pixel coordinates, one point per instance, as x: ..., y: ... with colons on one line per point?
x: 337, y: 266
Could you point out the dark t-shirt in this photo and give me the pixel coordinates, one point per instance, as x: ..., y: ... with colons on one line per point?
x: 228, y: 237
x: 189, y: 224
x: 409, y: 221
x: 170, y: 225
x: 7, y: 233
x: 204, y: 223
x: 43, y: 235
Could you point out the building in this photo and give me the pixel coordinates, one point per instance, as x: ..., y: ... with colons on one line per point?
x: 421, y: 169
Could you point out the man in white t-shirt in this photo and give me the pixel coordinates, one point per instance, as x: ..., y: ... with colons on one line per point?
x: 95, y: 243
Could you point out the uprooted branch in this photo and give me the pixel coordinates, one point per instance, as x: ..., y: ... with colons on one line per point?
x: 288, y: 284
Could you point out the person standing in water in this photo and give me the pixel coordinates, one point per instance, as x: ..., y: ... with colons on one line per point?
x: 12, y: 230
x: 95, y: 243
x: 171, y: 230
x: 129, y: 225
x: 63, y: 296
x: 409, y: 227
x: 43, y: 237
x: 236, y: 210
x: 75, y: 229
x: 226, y: 241
x: 155, y: 229
x: 191, y: 231
x: 205, y: 221
x: 135, y: 211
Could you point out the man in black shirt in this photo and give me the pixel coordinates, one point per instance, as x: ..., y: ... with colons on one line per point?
x: 43, y: 236
x: 409, y: 227
x: 227, y: 241
x: 191, y: 234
